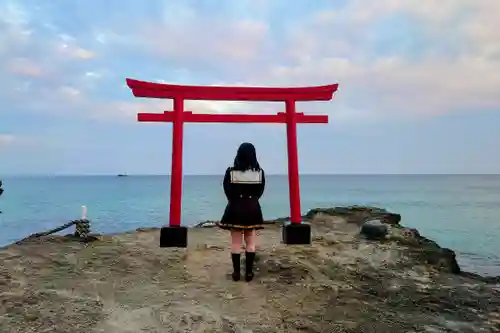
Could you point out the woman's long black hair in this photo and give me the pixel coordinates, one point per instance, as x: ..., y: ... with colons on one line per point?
x: 246, y: 158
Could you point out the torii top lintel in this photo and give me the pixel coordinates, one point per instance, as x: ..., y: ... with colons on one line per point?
x: 218, y: 93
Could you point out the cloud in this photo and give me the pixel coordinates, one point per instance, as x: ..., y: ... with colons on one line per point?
x: 35, y: 51
x: 24, y: 67
x: 125, y: 111
x: 68, y: 47
x: 396, y: 85
x: 12, y: 141
x: 238, y: 41
x: 63, y: 66
x: 442, y: 62
x: 13, y: 22
x: 6, y: 139
x: 390, y: 57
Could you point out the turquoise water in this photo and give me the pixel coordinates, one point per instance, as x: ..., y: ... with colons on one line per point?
x: 459, y: 212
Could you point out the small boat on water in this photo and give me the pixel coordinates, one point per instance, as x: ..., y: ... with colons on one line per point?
x: 122, y: 175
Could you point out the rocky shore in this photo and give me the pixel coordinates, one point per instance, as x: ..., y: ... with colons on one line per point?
x: 364, y: 272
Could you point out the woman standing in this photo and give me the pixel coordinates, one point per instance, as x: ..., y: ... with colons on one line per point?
x: 243, y: 184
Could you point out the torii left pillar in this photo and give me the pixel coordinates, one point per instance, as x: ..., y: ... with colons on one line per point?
x: 175, y: 235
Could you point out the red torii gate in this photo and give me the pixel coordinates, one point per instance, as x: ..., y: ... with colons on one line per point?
x: 175, y: 235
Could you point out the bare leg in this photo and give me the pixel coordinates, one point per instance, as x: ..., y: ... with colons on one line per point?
x: 236, y: 241
x: 250, y: 238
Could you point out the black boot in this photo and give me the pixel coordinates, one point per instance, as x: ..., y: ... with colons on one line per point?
x: 235, y: 257
x: 249, y: 258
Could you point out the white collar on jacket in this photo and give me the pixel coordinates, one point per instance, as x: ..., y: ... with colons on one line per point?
x: 246, y: 177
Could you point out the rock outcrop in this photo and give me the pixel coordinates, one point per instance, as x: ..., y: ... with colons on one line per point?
x: 374, y: 230
x: 343, y: 282
x: 377, y: 224
x: 358, y: 214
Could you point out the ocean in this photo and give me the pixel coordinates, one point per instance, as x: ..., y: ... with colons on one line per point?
x: 461, y: 212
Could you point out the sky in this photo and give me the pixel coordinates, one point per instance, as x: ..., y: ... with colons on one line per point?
x: 419, y: 83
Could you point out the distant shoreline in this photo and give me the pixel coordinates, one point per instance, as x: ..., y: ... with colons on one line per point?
x: 7, y: 176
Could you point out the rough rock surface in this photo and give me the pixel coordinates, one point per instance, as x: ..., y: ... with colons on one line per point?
x: 374, y: 229
x: 341, y: 283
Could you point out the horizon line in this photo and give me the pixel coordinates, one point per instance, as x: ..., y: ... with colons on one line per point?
x: 269, y: 174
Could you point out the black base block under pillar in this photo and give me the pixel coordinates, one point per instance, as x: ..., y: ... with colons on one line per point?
x: 297, y: 234
x: 173, y: 237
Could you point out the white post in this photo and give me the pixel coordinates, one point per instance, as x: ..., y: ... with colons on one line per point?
x: 84, y: 212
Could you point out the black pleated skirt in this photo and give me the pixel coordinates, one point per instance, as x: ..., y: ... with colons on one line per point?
x: 242, y: 214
